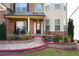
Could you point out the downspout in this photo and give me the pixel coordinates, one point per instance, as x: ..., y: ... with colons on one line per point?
x: 66, y: 20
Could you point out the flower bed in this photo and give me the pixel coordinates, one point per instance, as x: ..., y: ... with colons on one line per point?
x: 68, y: 46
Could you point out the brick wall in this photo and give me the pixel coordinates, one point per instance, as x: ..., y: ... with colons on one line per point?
x: 61, y: 33
x: 31, y: 7
x: 68, y: 46
x: 32, y: 25
x: 2, y: 19
x: 10, y: 26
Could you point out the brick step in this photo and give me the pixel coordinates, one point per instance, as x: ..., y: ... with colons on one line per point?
x: 20, y: 52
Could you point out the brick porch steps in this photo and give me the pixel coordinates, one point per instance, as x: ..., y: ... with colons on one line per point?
x: 15, y: 48
x: 21, y: 52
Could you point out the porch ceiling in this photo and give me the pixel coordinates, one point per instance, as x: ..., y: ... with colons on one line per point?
x: 25, y: 15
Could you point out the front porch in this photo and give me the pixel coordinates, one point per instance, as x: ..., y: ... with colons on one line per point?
x: 28, y: 25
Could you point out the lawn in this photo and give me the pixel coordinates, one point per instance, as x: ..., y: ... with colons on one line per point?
x: 54, y: 52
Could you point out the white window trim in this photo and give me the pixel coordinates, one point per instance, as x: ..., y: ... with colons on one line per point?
x: 47, y: 24
x: 21, y: 6
x: 57, y: 25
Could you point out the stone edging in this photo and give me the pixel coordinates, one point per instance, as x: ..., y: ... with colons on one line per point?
x: 66, y: 46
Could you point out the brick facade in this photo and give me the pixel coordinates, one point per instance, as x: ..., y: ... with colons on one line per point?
x: 2, y: 19
x: 32, y: 26
x: 10, y: 26
x: 31, y: 7
x: 53, y: 33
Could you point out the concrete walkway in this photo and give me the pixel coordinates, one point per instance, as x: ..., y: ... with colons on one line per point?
x: 37, y: 41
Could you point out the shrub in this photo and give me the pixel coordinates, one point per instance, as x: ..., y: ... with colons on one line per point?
x: 58, y: 38
x: 68, y: 39
x: 77, y: 41
x: 2, y: 31
x: 50, y: 39
x: 70, y: 28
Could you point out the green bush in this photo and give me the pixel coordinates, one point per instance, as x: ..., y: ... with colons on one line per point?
x: 50, y: 39
x: 58, y: 38
x: 69, y: 38
x: 77, y: 41
x: 61, y: 40
x: 2, y: 31
x: 71, y: 28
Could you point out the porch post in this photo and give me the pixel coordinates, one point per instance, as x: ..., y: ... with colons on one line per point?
x: 42, y: 28
x: 34, y: 27
x: 28, y: 25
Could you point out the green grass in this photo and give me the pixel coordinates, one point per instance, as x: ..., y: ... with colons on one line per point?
x: 54, y: 52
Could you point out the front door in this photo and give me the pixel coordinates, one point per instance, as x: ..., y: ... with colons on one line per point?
x: 38, y: 27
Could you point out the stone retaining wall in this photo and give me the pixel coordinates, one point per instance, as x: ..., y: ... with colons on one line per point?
x: 68, y: 46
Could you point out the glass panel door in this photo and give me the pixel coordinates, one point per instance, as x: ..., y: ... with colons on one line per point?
x: 38, y: 28
x: 21, y: 27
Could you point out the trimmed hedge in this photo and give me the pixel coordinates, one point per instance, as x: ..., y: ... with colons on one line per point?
x: 2, y: 31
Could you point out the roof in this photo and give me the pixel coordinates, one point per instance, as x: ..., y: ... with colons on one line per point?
x: 25, y: 14
x: 2, y: 8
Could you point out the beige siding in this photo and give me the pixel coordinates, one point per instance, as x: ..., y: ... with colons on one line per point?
x: 53, y: 14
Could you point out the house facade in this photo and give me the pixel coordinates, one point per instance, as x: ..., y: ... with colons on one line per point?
x: 35, y: 18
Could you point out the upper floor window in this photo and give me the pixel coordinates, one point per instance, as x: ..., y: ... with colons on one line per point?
x: 21, y: 7
x: 47, y: 25
x: 47, y: 8
x: 57, y: 24
x: 57, y: 6
x: 38, y: 8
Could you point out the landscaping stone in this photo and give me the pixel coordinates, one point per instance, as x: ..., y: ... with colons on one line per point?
x: 69, y: 46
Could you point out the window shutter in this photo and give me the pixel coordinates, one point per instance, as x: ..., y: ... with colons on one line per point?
x: 14, y: 7
x: 27, y: 7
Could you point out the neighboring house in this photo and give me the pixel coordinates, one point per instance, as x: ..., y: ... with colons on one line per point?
x: 36, y: 18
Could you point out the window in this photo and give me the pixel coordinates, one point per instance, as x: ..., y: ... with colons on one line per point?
x: 57, y: 25
x: 57, y: 6
x: 38, y: 8
x: 46, y: 8
x: 21, y: 27
x: 47, y: 25
x: 21, y: 7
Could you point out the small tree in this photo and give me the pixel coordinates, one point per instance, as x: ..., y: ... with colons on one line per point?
x: 2, y: 31
x: 71, y: 29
